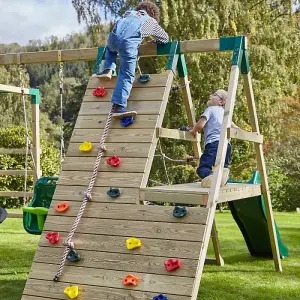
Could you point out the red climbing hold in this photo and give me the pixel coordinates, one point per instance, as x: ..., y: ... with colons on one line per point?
x: 172, y: 264
x: 99, y: 92
x: 53, y: 237
x: 114, y: 161
x: 130, y: 280
x: 61, y: 207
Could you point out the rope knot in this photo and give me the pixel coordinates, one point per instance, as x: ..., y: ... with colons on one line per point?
x: 69, y: 244
x: 102, y: 147
x: 88, y: 195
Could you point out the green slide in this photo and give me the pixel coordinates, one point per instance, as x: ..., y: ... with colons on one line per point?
x: 250, y: 216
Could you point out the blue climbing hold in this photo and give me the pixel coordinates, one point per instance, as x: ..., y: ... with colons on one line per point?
x: 144, y: 78
x: 73, y: 256
x: 113, y: 192
x: 160, y: 297
x: 3, y: 214
x: 179, y: 211
x: 126, y: 121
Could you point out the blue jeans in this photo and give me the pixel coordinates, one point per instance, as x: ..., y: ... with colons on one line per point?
x: 208, y: 159
x: 124, y: 40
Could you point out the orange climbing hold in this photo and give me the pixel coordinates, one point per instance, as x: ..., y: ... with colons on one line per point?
x: 61, y: 207
x: 130, y: 280
x: 86, y: 147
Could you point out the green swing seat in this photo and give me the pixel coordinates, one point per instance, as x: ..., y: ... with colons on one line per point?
x: 34, y: 215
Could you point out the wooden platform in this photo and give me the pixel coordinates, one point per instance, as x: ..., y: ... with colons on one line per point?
x: 193, y: 193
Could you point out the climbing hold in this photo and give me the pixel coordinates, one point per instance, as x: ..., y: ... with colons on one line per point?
x: 113, y: 192
x: 62, y: 206
x: 72, y: 291
x: 160, y: 297
x: 114, y: 161
x: 86, y: 147
x: 99, y: 92
x: 126, y: 121
x: 172, y: 264
x: 130, y: 280
x: 73, y: 256
x: 144, y: 78
x: 179, y: 211
x: 133, y: 243
x: 53, y: 237
x: 3, y: 214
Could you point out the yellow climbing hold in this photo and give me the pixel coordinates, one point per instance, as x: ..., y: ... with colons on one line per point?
x: 86, y: 147
x: 71, y: 291
x: 133, y: 243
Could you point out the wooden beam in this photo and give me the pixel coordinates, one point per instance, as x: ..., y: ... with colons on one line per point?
x: 12, y: 151
x: 240, y: 134
x: 176, y: 134
x: 261, y: 166
x: 87, y: 54
x: 13, y: 89
x: 15, y: 194
x: 15, y: 215
x: 15, y: 172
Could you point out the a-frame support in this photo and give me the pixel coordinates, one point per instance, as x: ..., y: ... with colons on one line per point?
x: 239, y: 61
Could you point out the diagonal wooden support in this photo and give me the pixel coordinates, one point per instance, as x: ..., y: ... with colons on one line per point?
x: 261, y: 166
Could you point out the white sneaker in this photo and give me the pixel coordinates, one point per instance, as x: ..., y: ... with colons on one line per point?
x: 105, y: 75
x: 206, y: 182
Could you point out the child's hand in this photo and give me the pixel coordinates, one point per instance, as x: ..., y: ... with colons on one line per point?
x: 194, y: 133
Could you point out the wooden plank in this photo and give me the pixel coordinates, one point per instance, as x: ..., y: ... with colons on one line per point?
x: 114, y: 135
x: 261, y: 166
x: 15, y: 194
x: 240, y: 134
x: 137, y: 94
x: 76, y: 193
x: 125, y: 149
x: 15, y: 215
x: 140, y: 229
x: 13, y: 89
x: 119, y: 262
x: 107, y: 278
x: 100, y: 108
x: 12, y: 151
x: 135, y: 165
x: 99, y: 121
x: 42, y: 288
x: 115, y: 179
x: 155, y: 213
x: 36, y: 146
x: 15, y: 172
x: 116, y: 244
x: 157, y: 80
x: 176, y: 134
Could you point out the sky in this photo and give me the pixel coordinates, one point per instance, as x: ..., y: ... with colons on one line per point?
x: 24, y: 20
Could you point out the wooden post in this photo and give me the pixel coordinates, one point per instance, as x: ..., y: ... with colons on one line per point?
x: 36, y: 148
x: 217, y: 175
x: 216, y: 244
x: 261, y: 166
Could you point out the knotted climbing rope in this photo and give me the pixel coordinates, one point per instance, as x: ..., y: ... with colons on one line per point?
x: 69, y: 245
x: 62, y: 142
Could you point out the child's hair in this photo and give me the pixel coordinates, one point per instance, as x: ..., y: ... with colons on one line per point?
x: 151, y: 8
x: 222, y: 94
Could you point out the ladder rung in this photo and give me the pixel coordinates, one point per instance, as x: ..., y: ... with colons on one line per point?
x: 15, y: 172
x: 12, y: 151
x: 15, y: 194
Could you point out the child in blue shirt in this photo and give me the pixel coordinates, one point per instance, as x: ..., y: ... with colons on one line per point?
x: 124, y: 40
x: 211, y: 123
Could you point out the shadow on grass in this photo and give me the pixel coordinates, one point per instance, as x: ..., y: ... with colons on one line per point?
x: 12, y: 289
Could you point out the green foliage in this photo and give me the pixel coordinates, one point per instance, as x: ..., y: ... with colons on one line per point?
x: 15, y: 137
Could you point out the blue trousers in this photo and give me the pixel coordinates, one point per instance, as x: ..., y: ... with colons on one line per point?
x: 208, y: 159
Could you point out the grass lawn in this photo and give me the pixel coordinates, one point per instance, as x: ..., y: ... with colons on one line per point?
x: 242, y: 277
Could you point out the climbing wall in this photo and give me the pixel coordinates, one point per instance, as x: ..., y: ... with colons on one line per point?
x: 108, y: 222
